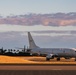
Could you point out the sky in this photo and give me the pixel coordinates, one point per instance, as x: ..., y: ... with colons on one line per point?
x: 18, y: 28
x: 17, y: 7
x: 12, y: 36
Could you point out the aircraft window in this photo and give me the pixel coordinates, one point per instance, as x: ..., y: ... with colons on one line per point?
x: 75, y: 51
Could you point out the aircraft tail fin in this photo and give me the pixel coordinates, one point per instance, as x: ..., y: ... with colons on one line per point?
x: 31, y: 42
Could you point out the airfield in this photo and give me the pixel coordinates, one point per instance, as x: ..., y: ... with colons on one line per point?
x: 34, y: 60
x: 35, y: 65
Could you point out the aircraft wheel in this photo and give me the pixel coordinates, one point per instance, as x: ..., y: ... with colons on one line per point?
x: 47, y: 59
x: 58, y: 59
x: 75, y: 59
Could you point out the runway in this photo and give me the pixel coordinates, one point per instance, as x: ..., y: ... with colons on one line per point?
x: 37, y: 67
x: 37, y: 72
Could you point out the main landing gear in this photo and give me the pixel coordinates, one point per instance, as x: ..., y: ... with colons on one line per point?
x: 58, y: 58
x: 47, y: 59
x: 75, y: 59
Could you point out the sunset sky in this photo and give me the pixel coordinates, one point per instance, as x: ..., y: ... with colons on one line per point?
x: 9, y: 7
x: 12, y: 36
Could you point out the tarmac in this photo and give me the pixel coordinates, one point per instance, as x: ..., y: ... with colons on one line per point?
x: 52, y: 68
x: 37, y: 69
x: 37, y: 72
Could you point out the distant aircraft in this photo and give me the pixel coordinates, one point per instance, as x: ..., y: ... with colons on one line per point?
x: 51, y: 53
x: 22, y: 49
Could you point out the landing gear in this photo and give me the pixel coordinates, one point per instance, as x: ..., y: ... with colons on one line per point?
x: 47, y: 59
x: 75, y: 59
x: 58, y: 58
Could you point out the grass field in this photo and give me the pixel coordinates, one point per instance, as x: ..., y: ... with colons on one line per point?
x: 33, y: 60
x: 8, y: 59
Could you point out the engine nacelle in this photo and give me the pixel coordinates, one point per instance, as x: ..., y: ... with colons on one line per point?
x: 50, y: 56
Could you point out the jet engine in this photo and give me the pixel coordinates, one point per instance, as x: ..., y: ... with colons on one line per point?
x: 50, y: 56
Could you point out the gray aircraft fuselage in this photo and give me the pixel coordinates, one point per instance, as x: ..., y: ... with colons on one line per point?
x: 61, y: 52
x: 51, y: 52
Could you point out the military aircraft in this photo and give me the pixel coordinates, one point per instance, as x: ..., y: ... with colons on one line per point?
x: 51, y: 53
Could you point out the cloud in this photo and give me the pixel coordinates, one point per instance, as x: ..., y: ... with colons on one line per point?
x: 16, y: 39
x: 8, y: 28
x: 44, y: 36
x: 39, y: 30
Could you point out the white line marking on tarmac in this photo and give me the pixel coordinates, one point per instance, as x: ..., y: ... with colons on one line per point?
x: 56, y: 69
